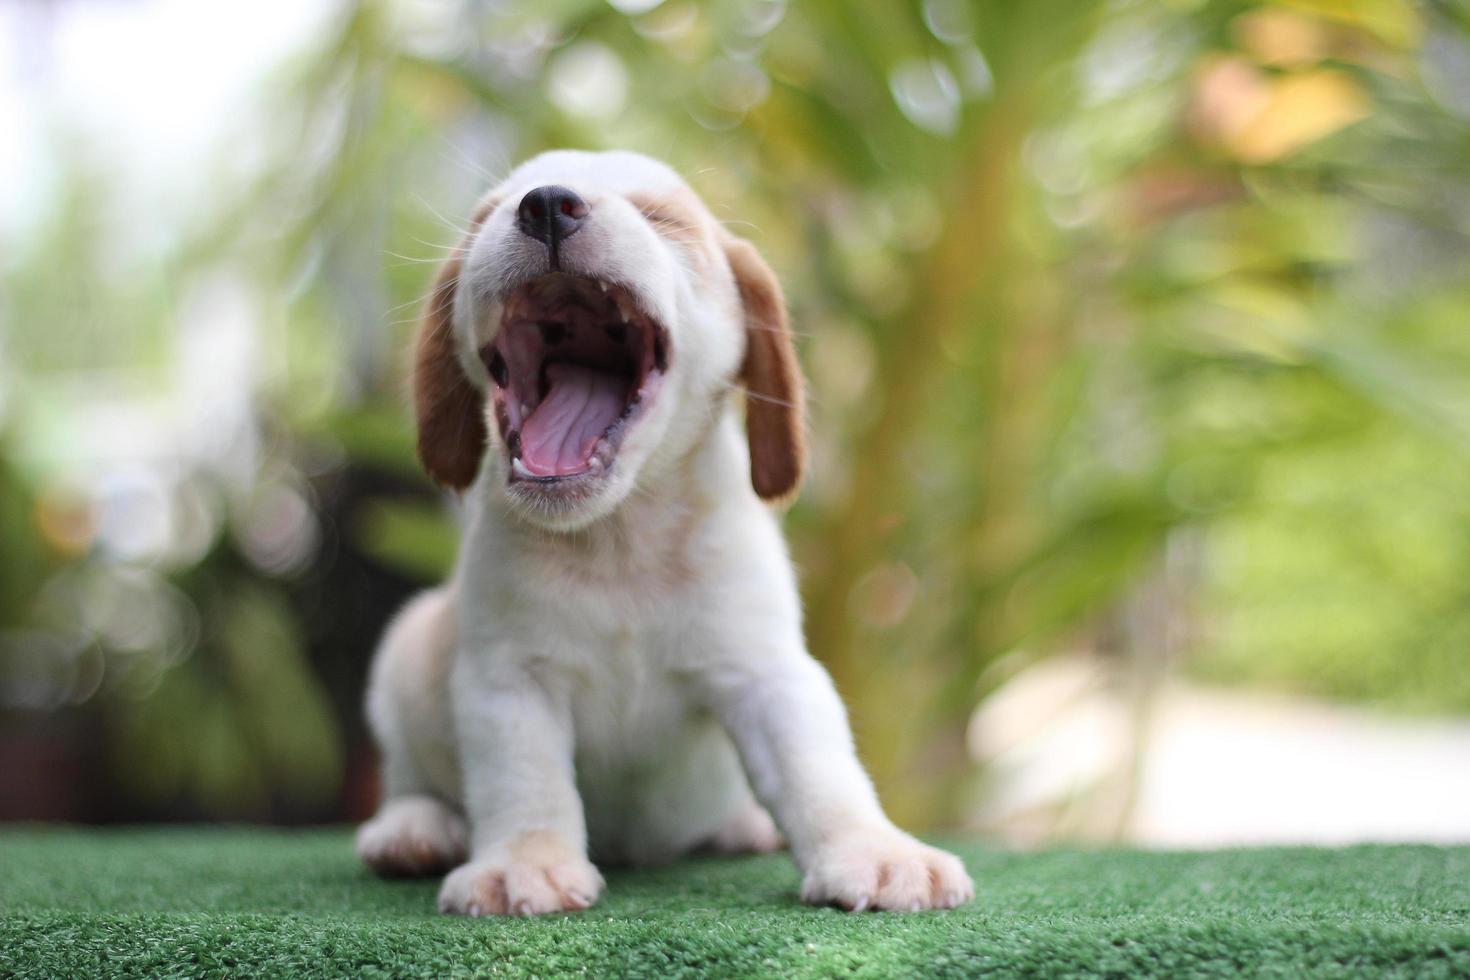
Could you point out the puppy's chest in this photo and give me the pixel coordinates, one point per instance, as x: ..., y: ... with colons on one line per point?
x: 623, y: 644
x: 645, y: 751
x: 627, y: 697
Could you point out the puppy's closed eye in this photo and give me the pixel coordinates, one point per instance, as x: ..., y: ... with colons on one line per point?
x: 676, y: 216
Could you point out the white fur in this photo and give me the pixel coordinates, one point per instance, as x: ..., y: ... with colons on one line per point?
x: 632, y: 676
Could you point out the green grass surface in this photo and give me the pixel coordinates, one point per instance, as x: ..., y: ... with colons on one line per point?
x: 203, y: 902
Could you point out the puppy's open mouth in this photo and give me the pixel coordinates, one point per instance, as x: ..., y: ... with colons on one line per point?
x: 573, y: 365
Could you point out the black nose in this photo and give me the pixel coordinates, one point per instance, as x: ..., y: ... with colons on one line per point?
x: 550, y: 215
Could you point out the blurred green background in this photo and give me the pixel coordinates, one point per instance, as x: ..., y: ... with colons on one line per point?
x: 1138, y: 336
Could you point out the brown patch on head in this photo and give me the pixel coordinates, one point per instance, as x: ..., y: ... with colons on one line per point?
x: 775, y: 397
x: 450, y: 411
x: 682, y: 218
x: 677, y: 213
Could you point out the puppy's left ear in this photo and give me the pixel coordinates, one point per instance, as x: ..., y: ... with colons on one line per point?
x: 775, y: 413
x: 449, y: 410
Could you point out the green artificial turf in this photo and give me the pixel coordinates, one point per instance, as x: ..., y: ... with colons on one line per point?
x: 212, y: 902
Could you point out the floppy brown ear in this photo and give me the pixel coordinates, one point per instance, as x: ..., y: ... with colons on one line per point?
x: 449, y: 410
x: 775, y: 399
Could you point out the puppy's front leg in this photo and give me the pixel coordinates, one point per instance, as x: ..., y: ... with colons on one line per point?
x: 792, y: 733
x: 528, y: 837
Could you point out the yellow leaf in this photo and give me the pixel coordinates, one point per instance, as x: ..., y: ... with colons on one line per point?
x: 1229, y: 92
x: 1278, y: 36
x: 1300, y: 109
x: 1395, y: 22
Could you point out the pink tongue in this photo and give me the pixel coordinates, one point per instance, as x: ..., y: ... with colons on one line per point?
x: 558, y: 437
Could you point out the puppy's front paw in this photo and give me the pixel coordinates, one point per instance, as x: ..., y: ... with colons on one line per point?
x: 411, y: 836
x: 885, y: 869
x: 537, y: 874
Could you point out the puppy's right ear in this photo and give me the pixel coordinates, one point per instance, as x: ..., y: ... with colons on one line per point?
x: 450, y: 411
x: 774, y: 402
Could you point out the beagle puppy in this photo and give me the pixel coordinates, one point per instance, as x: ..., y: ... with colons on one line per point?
x: 616, y: 668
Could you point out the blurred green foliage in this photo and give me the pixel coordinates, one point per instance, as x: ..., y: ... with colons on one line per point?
x: 1076, y: 281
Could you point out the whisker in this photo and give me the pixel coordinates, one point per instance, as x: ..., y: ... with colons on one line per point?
x: 769, y: 399
x: 464, y: 160
x: 730, y: 222
x: 417, y: 302
x: 415, y: 260
x: 457, y: 248
x: 459, y: 230
x: 758, y: 396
